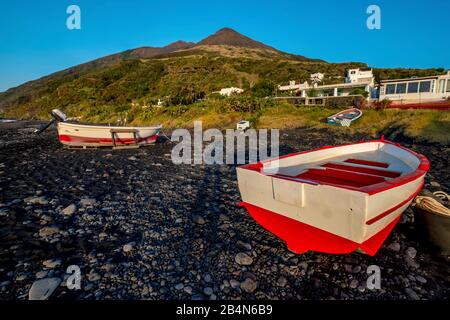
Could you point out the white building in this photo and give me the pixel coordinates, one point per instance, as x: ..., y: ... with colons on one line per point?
x: 359, y: 80
x: 416, y: 90
x: 229, y: 91
x: 359, y: 76
x: 292, y: 86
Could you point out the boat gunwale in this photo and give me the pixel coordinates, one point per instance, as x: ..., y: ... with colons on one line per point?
x: 93, y: 126
x: 419, y: 172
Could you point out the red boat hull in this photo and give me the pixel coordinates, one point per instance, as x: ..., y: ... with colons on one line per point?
x: 301, y: 237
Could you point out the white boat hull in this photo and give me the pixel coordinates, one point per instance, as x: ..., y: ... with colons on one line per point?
x: 73, y: 134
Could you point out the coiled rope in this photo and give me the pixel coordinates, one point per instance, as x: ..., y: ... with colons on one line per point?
x: 432, y: 205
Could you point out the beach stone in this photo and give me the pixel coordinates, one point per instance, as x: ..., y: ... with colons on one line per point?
x: 41, y: 274
x: 421, y: 279
x: 243, y: 259
x: 179, y: 286
x: 36, y: 200
x: 70, y: 210
x: 394, y: 246
x: 128, y: 247
x: 282, y: 281
x: 93, y: 277
x: 411, y: 252
x: 249, y: 285
x: 208, y: 291
x: 88, y: 202
x: 188, y: 289
x: 435, y: 184
x: 42, y: 289
x: 132, y: 158
x: 199, y: 220
x: 48, y: 231
x: 411, y: 294
x: 354, y: 284
x: 234, y: 283
x: 51, y: 263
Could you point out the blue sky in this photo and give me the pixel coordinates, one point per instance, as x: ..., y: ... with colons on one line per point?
x: 34, y: 40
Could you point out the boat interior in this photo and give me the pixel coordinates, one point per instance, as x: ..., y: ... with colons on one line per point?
x: 340, y: 168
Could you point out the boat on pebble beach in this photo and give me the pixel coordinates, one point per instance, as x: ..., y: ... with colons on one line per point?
x: 345, y: 118
x: 335, y: 199
x: 74, y: 134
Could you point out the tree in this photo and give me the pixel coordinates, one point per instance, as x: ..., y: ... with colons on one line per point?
x: 265, y: 88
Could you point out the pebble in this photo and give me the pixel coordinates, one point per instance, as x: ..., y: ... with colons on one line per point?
x: 93, y: 277
x: 243, y: 259
x: 282, y: 281
x: 199, y: 220
x: 42, y: 289
x: 128, y: 247
x: 70, y: 210
x: 208, y: 291
x: 188, y: 289
x: 88, y: 202
x: 411, y: 252
x: 48, y: 231
x: 36, y: 200
x: 234, y: 283
x: 51, y: 263
x: 421, y: 279
x: 354, y: 284
x: 394, y: 246
x: 179, y: 286
x: 249, y: 285
x: 411, y: 294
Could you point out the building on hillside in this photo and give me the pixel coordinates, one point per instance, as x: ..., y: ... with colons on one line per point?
x: 306, y: 90
x: 416, y: 90
x: 229, y: 91
x: 360, y: 76
x: 293, y: 86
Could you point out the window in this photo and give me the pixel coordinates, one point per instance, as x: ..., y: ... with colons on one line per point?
x: 390, y: 89
x: 425, y: 86
x: 448, y: 85
x: 401, y: 88
x: 413, y: 87
x: 441, y: 86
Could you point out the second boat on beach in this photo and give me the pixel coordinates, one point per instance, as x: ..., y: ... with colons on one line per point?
x: 87, y: 135
x: 345, y: 118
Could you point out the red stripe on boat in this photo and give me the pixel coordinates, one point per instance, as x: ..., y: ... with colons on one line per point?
x: 368, y: 163
x: 301, y: 237
x: 401, y: 204
x: 376, y: 172
x: 67, y: 138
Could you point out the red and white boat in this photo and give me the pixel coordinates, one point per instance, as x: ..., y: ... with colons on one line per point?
x: 333, y: 199
x: 81, y: 135
x: 86, y: 135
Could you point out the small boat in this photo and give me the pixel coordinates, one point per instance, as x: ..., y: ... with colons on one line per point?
x: 243, y: 125
x: 80, y: 135
x: 345, y: 118
x: 86, y: 135
x: 333, y: 199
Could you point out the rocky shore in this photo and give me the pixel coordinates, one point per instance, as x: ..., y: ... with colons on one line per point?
x: 140, y: 227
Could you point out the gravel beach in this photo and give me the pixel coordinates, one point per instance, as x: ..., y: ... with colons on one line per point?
x: 140, y: 227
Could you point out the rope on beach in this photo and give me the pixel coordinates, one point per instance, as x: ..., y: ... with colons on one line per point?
x: 432, y: 205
